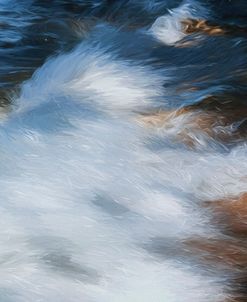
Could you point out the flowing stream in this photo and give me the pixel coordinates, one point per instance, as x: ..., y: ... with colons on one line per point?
x: 102, y: 195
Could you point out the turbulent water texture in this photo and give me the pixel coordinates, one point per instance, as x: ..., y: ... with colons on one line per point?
x: 123, y: 151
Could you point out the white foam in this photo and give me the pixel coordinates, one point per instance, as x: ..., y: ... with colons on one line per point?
x: 91, y: 71
x: 168, y: 28
x: 82, y: 195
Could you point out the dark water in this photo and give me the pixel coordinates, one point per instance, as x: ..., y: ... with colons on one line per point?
x: 95, y: 205
x: 32, y: 31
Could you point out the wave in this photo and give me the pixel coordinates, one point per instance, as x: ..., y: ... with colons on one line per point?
x: 94, y: 205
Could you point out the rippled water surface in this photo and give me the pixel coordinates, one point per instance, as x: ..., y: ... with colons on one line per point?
x: 123, y: 165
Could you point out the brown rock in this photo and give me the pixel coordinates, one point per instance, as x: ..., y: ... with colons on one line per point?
x: 229, y: 253
x: 231, y: 213
x: 223, y: 119
x: 201, y: 26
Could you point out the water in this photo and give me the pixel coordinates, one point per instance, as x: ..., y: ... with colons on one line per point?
x: 97, y: 205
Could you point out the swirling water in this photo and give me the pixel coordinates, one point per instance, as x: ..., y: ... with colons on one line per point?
x: 95, y: 206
